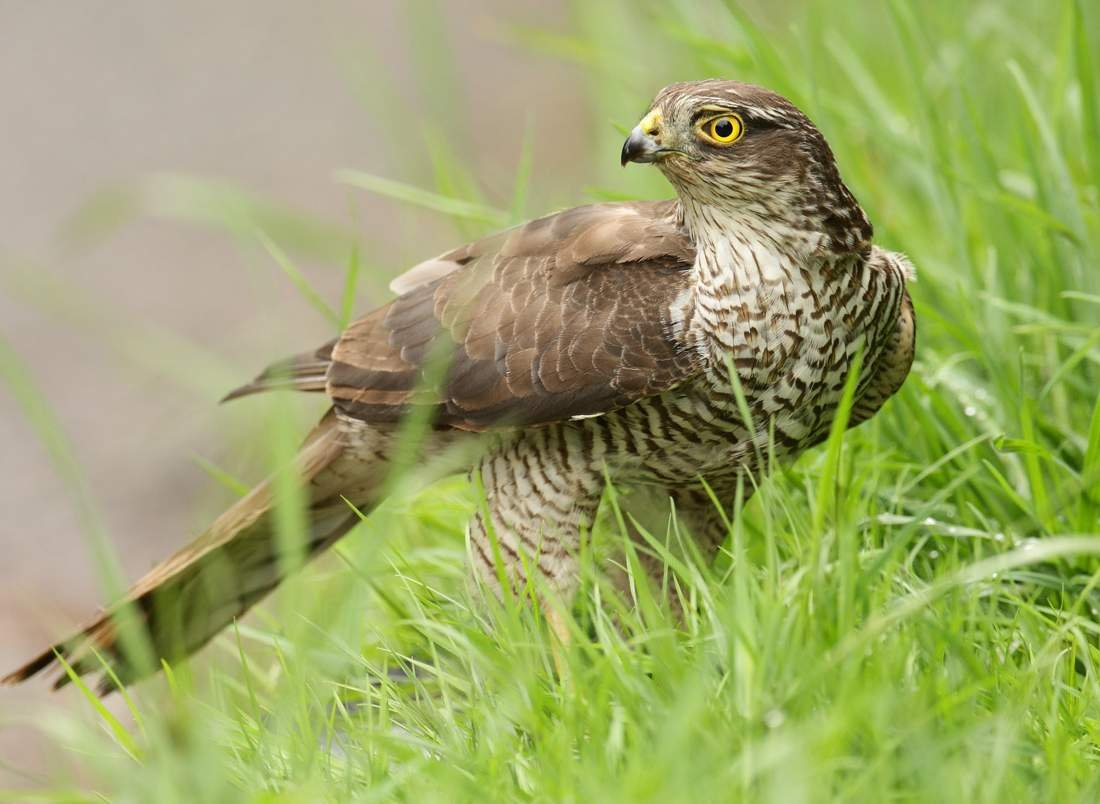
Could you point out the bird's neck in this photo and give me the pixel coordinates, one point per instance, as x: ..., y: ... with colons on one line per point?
x: 739, y: 258
x: 827, y: 223
x: 751, y: 224
x: 753, y: 279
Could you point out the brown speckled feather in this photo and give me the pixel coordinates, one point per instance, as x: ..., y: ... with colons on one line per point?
x: 566, y: 316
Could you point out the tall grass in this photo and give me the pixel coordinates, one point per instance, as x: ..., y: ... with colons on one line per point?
x: 909, y: 612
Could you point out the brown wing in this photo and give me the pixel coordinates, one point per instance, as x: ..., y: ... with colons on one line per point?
x: 566, y: 316
x: 305, y: 372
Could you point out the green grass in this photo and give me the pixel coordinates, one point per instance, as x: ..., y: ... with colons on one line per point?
x: 908, y: 613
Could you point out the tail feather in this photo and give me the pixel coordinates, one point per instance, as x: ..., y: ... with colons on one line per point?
x: 187, y: 599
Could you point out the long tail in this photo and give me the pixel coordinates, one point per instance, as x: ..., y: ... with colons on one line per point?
x: 186, y: 600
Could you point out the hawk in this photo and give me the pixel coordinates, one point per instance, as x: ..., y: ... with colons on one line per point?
x: 609, y: 339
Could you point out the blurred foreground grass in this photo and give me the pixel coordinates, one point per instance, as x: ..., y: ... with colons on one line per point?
x: 908, y: 614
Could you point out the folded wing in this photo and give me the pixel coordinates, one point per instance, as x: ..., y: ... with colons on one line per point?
x: 567, y: 316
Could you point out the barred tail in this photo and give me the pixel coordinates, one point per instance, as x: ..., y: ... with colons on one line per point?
x: 187, y: 599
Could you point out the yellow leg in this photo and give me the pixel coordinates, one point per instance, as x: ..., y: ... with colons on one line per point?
x: 560, y: 639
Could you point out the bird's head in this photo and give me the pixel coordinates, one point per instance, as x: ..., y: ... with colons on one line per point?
x: 738, y: 151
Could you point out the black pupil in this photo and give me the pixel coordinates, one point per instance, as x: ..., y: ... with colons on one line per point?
x: 723, y: 128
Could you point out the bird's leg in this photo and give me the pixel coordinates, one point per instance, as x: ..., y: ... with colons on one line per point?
x: 696, y: 513
x: 540, y: 493
x: 707, y: 524
x: 560, y: 637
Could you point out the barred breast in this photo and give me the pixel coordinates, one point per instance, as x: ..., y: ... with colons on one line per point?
x: 789, y: 334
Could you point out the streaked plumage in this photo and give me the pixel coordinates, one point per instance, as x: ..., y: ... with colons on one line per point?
x: 597, y: 340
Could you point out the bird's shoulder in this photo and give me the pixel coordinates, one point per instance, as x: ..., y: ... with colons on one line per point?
x: 896, y: 266
x: 627, y: 232
x: 894, y: 330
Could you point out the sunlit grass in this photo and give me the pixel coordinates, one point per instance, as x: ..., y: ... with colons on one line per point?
x: 909, y: 613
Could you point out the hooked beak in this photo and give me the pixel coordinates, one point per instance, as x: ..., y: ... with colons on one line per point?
x: 644, y: 143
x: 639, y: 147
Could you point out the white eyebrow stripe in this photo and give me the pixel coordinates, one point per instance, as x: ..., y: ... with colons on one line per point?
x: 715, y: 104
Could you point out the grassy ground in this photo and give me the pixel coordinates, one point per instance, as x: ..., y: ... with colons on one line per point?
x: 907, y: 613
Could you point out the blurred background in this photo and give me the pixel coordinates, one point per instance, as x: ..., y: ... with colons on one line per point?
x: 176, y: 212
x: 143, y: 145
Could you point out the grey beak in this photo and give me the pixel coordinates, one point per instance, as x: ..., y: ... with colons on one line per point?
x: 639, y: 147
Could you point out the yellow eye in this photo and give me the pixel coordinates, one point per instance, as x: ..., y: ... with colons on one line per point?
x: 723, y: 130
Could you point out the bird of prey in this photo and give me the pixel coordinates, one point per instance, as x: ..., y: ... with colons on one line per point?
x: 609, y: 339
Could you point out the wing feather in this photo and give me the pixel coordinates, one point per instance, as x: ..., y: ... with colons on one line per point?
x: 305, y: 372
x: 566, y: 316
